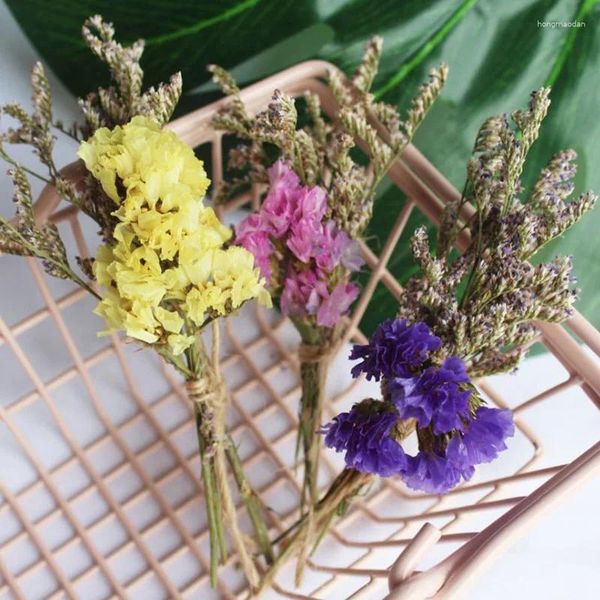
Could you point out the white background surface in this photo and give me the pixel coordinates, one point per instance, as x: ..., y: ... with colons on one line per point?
x: 559, y: 559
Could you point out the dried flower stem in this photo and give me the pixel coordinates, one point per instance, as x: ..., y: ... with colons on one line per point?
x: 313, y: 375
x: 207, y: 391
x: 251, y: 501
x: 347, y: 485
x: 218, y: 551
x: 319, y: 345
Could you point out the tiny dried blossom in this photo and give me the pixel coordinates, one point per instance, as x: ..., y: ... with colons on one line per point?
x: 442, y: 468
x: 304, y: 294
x: 433, y: 473
x: 395, y: 349
x: 293, y: 214
x: 365, y: 435
x: 434, y: 396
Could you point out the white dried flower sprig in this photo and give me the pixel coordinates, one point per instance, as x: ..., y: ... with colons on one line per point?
x: 319, y: 151
x: 106, y: 107
x: 484, y: 303
x: 23, y: 236
x: 117, y: 104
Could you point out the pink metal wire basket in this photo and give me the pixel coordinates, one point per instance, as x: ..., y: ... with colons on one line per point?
x: 100, y: 494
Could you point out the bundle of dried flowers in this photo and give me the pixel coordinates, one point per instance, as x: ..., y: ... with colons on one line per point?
x: 164, y: 272
x: 462, y: 317
x: 318, y: 203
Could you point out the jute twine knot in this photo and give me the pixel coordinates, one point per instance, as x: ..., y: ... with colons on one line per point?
x: 196, y: 388
x: 208, y: 393
x: 314, y: 353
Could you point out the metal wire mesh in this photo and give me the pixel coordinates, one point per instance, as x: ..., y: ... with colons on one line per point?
x: 115, y: 510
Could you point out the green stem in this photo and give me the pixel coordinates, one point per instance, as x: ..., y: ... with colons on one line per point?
x: 213, y: 472
x: 14, y: 163
x: 289, y: 530
x: 313, y: 375
x: 213, y: 505
x: 79, y: 281
x: 344, y: 488
x: 176, y: 362
x: 66, y: 132
x: 251, y: 501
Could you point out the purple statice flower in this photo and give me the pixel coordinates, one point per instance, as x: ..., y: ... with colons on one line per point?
x: 364, y: 434
x: 484, y: 438
x: 434, y: 396
x: 433, y: 473
x: 440, y: 470
x: 395, y: 349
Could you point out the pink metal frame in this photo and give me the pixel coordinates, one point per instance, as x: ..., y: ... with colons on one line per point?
x: 366, y: 573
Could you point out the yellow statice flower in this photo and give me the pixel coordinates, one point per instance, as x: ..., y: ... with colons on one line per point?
x: 167, y: 270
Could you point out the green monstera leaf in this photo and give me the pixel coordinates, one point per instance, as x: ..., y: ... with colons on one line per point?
x: 498, y: 52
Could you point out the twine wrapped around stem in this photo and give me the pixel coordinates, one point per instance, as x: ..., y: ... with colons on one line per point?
x: 209, y: 397
x: 315, y: 359
x: 312, y: 353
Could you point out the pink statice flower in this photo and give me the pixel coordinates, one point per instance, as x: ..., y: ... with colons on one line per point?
x: 312, y: 204
x: 280, y: 208
x: 254, y: 236
x: 304, y: 294
x: 296, y: 294
x: 304, y: 239
x: 336, y: 304
x: 292, y: 216
x: 334, y: 247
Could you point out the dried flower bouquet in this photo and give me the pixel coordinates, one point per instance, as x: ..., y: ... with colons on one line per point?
x: 462, y: 317
x: 167, y: 270
x: 318, y: 203
x: 164, y: 272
